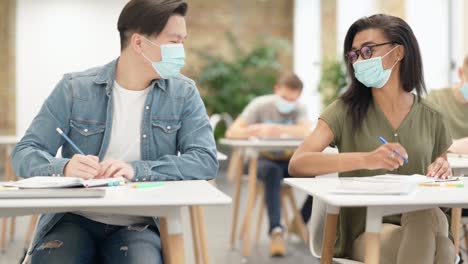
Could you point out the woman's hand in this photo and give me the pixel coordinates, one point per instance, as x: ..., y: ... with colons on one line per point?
x: 440, y: 168
x: 385, y: 157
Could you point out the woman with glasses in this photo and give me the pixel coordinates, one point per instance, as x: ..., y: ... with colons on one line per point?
x: 384, y: 99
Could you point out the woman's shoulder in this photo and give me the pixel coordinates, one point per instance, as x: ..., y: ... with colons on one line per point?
x: 337, y: 106
x: 430, y: 107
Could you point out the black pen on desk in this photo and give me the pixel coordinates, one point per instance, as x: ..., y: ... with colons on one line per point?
x: 75, y: 147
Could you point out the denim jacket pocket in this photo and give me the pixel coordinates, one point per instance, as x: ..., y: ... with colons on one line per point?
x: 87, y: 135
x: 165, y: 135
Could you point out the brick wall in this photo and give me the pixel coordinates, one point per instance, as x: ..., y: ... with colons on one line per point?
x: 249, y: 20
x: 7, y: 67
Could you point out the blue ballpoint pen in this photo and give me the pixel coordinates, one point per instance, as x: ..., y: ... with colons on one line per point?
x: 396, y: 151
x: 75, y: 147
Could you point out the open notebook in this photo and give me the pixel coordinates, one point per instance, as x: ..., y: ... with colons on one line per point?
x: 389, y: 184
x: 47, y: 182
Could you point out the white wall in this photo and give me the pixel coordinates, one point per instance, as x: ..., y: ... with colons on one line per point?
x: 348, y: 12
x: 59, y: 36
x: 460, y: 29
x: 307, y: 52
x: 430, y: 25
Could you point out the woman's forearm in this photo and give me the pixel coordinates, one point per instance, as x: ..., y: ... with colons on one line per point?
x: 318, y: 163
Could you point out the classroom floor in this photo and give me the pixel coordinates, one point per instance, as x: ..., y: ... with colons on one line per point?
x: 218, y: 222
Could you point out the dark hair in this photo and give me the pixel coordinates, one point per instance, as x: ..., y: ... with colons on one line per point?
x: 290, y: 80
x: 147, y: 17
x: 358, y: 97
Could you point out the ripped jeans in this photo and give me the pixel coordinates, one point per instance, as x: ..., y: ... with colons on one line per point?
x: 76, y: 239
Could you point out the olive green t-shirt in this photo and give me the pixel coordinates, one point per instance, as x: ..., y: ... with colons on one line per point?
x: 455, y: 112
x: 423, y: 133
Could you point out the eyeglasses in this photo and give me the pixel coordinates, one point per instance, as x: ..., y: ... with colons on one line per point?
x: 364, y: 51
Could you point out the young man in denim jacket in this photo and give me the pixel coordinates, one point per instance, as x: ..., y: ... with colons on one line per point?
x: 131, y: 118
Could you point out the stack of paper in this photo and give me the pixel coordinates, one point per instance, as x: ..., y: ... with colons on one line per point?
x: 372, y: 187
x: 389, y: 184
x: 45, y: 182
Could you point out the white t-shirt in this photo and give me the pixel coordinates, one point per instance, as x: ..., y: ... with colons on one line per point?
x: 124, y: 144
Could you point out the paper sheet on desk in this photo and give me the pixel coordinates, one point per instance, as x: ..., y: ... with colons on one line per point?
x: 416, y: 178
x: 47, y: 182
x: 389, y: 184
x: 372, y: 186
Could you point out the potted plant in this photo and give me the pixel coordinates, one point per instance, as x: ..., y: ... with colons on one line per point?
x: 228, y: 85
x: 332, y: 81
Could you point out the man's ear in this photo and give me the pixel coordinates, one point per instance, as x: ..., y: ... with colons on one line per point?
x: 136, y: 42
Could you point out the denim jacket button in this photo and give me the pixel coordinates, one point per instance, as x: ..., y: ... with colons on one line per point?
x: 169, y: 127
x: 85, y: 130
x: 147, y: 107
x: 144, y: 136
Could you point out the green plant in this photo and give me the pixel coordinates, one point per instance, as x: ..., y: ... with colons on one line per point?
x: 228, y: 85
x: 332, y: 81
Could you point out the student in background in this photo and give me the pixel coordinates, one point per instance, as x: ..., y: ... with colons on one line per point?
x: 278, y: 115
x: 130, y: 117
x: 453, y: 103
x: 385, y: 67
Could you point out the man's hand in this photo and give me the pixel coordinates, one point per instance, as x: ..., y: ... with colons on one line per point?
x: 264, y: 130
x: 112, y: 168
x: 86, y: 167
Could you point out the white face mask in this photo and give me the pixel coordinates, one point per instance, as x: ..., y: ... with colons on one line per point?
x: 371, y: 73
x: 284, y: 106
x: 172, y: 59
x: 464, y: 90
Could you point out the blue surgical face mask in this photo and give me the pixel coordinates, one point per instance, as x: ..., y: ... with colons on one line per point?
x: 464, y: 90
x: 172, y: 59
x: 371, y: 73
x: 285, y: 106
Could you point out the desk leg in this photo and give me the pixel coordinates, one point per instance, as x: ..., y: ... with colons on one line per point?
x: 4, y: 232
x: 202, y: 231
x: 195, y: 233
x: 372, y: 236
x: 235, y: 213
x: 456, y: 225
x: 252, y: 187
x: 329, y: 234
x: 172, y: 239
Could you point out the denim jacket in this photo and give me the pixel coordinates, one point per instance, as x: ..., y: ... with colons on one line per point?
x: 174, y: 120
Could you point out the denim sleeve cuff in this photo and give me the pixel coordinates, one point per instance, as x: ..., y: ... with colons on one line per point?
x: 142, y: 171
x: 58, y: 166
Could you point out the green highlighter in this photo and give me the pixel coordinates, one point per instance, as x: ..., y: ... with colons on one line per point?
x: 148, y: 185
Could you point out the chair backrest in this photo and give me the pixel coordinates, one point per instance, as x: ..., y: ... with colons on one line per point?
x: 317, y: 222
x: 216, y: 118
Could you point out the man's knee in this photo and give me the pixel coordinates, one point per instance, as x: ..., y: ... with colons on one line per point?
x: 137, y: 244
x: 269, y: 171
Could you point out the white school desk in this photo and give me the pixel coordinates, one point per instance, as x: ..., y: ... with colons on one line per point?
x: 251, y: 148
x: 377, y: 206
x: 8, y: 142
x: 459, y: 164
x: 165, y: 202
